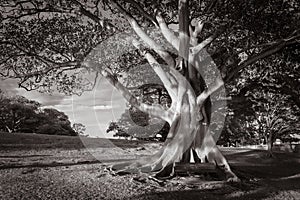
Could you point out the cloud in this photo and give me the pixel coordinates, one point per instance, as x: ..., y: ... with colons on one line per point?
x: 45, y: 99
x: 94, y: 108
x: 10, y: 86
x: 102, y: 107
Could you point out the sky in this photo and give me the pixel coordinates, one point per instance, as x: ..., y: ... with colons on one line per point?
x: 95, y: 109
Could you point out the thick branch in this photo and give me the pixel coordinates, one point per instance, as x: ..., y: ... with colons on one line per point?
x: 195, y: 50
x: 209, y: 91
x: 142, y: 11
x: 162, y: 74
x: 167, y: 33
x: 198, y: 28
x: 265, y: 53
x: 148, y: 40
x: 154, y: 110
x: 184, y: 40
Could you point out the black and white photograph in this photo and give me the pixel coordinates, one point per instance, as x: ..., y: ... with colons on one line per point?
x: 149, y: 99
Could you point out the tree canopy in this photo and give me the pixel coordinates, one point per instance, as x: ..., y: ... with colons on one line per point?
x: 19, y: 114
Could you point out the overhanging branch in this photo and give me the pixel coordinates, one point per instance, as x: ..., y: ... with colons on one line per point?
x: 154, y: 110
x: 265, y: 53
x: 142, y: 11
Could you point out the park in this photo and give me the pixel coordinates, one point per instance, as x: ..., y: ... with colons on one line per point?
x: 162, y: 99
x: 34, y: 166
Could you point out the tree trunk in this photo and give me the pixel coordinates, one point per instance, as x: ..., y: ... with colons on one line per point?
x: 190, y: 112
x: 270, y: 144
x: 187, y: 136
x: 9, y: 130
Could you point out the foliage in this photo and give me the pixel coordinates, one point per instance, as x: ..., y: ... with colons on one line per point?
x: 43, y: 45
x: 137, y: 124
x: 119, y: 132
x: 271, y: 85
x: 79, y: 128
x: 19, y: 114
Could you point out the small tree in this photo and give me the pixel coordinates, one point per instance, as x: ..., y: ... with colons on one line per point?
x: 275, y: 116
x: 80, y: 129
x: 119, y: 132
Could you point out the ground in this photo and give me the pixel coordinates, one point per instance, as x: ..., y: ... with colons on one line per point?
x: 60, y: 167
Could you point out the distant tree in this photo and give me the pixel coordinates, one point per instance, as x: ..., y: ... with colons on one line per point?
x: 80, y: 129
x: 238, y: 131
x: 266, y: 97
x: 274, y: 117
x: 119, y: 132
x: 18, y: 114
x: 55, y: 122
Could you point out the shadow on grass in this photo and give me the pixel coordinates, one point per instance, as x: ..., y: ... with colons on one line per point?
x: 258, y: 191
x: 203, y: 194
x: 262, y: 177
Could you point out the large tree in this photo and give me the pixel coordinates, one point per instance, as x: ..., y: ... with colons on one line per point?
x: 17, y: 113
x: 58, y: 36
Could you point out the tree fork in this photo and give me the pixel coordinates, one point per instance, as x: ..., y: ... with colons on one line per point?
x: 189, y: 117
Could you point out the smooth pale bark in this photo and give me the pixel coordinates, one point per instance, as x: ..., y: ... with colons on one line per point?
x: 168, y: 33
x: 196, y: 49
x: 189, y: 114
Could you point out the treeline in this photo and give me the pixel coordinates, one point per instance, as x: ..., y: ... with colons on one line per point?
x: 21, y: 115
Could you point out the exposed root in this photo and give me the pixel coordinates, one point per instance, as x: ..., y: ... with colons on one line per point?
x: 233, y: 179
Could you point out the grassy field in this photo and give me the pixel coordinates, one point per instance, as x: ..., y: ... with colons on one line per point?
x: 23, y: 141
x: 61, y: 167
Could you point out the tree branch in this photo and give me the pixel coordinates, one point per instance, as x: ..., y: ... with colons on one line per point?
x: 154, y: 110
x: 167, y: 33
x: 195, y: 50
x: 87, y: 13
x: 148, y: 40
x: 209, y: 91
x: 162, y: 74
x: 265, y: 53
x: 142, y: 11
x: 184, y: 39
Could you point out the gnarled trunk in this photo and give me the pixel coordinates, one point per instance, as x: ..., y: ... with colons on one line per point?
x: 189, y: 136
x: 190, y: 112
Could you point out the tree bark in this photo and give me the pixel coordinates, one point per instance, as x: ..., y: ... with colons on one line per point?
x: 190, y: 113
x: 270, y: 144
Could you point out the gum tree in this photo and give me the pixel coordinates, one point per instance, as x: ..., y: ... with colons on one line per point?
x: 189, y: 113
x: 235, y: 33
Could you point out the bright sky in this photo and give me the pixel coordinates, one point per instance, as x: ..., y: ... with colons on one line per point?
x: 94, y: 109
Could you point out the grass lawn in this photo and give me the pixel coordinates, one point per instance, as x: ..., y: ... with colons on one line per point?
x: 36, y: 166
x: 23, y: 141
